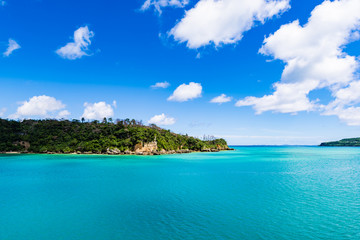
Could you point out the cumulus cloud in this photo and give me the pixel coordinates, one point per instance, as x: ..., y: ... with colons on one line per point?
x: 287, y: 98
x: 160, y: 85
x: 63, y: 114
x: 97, y: 111
x: 12, y: 46
x: 38, y: 106
x: 221, y: 99
x: 158, y: 4
x: 2, y: 112
x: 186, y: 92
x: 162, y: 120
x: 315, y: 59
x: 224, y: 21
x: 349, y: 115
x: 79, y: 47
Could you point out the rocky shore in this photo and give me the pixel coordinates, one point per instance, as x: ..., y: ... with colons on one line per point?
x: 150, y: 148
x: 117, y: 152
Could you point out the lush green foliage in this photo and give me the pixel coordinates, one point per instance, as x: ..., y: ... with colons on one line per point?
x: 349, y: 142
x: 65, y: 136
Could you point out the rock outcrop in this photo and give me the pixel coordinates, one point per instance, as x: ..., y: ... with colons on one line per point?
x: 113, y: 151
x: 25, y: 144
x: 151, y: 148
x: 146, y: 148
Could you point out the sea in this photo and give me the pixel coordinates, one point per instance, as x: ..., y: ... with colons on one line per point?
x: 270, y: 193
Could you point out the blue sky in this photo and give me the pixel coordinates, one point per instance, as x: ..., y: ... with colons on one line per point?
x: 198, y: 50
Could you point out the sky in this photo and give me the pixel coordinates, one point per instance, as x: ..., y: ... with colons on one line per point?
x: 255, y: 72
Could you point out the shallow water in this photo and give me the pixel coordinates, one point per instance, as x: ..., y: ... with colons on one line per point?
x: 251, y: 193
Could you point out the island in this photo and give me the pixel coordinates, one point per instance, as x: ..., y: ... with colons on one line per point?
x: 348, y: 142
x: 126, y: 136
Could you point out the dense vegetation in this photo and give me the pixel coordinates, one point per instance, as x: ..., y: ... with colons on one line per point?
x: 41, y: 136
x: 349, y: 142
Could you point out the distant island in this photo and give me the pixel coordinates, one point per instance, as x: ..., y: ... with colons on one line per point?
x: 348, y: 142
x: 95, y: 137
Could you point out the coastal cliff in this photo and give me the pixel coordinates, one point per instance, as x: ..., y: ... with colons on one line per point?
x: 106, y: 137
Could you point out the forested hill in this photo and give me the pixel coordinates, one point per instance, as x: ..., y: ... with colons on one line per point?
x: 123, y: 137
x: 348, y: 142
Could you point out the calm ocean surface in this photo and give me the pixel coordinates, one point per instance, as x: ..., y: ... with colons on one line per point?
x: 251, y: 193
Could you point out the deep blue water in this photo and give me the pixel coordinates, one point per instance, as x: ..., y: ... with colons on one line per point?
x: 252, y: 193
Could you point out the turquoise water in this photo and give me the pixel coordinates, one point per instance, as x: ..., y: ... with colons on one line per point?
x: 251, y: 193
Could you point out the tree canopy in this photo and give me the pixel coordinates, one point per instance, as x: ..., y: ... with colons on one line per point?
x: 64, y: 136
x: 348, y: 142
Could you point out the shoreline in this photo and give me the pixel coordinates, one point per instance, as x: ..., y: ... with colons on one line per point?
x: 129, y: 153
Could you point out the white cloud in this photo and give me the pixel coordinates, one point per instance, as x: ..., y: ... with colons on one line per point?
x: 13, y: 45
x: 97, y: 111
x: 186, y: 92
x: 79, y: 47
x: 161, y: 85
x: 350, y: 115
x: 221, y: 99
x: 158, y: 4
x: 288, y: 98
x: 63, y: 114
x: 315, y: 59
x: 38, y: 106
x: 114, y: 104
x: 2, y: 112
x: 162, y: 120
x: 224, y: 21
